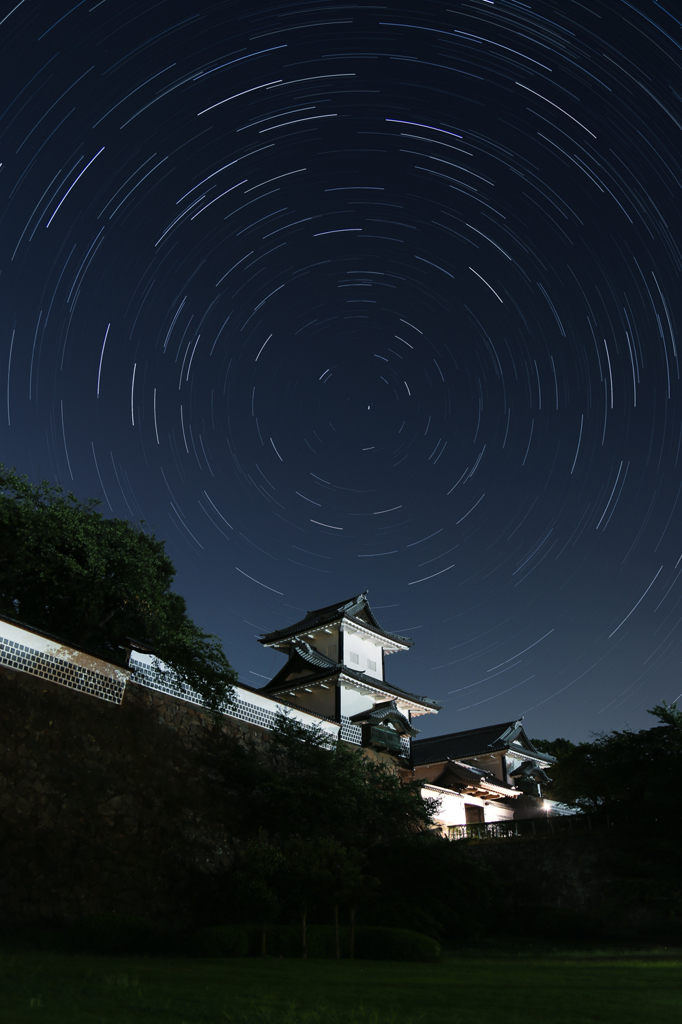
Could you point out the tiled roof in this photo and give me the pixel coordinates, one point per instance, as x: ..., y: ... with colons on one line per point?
x: 356, y: 609
x: 473, y: 742
x: 467, y: 775
x: 312, y: 656
x: 530, y: 770
x: 387, y: 711
x: 304, y: 657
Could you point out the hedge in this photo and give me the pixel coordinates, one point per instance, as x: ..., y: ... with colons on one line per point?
x: 225, y: 940
x: 563, y: 923
x: 376, y: 943
x: 371, y: 943
x: 113, y: 934
x: 120, y: 934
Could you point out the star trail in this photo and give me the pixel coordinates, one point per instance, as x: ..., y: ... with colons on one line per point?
x: 343, y: 297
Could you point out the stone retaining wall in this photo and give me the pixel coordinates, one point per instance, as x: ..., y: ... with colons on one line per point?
x: 107, y: 807
x: 566, y: 871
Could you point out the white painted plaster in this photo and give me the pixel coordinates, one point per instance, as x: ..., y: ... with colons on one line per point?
x: 451, y: 811
x: 352, y: 702
x: 56, y: 649
x: 452, y: 807
x: 495, y: 811
x: 366, y: 651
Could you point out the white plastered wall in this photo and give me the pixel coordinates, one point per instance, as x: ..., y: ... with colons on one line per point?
x: 257, y: 707
x: 62, y: 651
x: 495, y: 811
x: 451, y: 811
x: 452, y: 807
x: 366, y: 651
x: 353, y: 703
x: 25, y: 651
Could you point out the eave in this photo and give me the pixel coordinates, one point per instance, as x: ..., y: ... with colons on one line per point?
x: 501, y: 748
x: 390, y: 642
x: 501, y: 737
x: 358, y: 681
x: 335, y: 615
x: 461, y: 777
x: 382, y: 713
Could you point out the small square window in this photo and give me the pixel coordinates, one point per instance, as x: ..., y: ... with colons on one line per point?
x: 371, y: 665
x: 331, y: 651
x: 354, y: 658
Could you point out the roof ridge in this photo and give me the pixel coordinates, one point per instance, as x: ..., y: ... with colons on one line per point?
x: 351, y: 608
x: 336, y: 668
x: 464, y: 732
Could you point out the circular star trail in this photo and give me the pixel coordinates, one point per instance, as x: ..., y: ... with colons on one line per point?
x: 340, y: 297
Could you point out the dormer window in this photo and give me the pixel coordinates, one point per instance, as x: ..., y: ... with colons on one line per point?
x: 381, y: 738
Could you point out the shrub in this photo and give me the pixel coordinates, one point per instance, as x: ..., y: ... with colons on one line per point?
x: 463, y: 895
x: 376, y: 943
x: 46, y: 938
x: 564, y: 924
x: 281, y: 940
x: 371, y: 943
x: 223, y: 940
x: 113, y: 934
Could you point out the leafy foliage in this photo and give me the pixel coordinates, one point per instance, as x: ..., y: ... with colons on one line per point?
x: 372, y: 942
x: 450, y: 895
x: 97, y: 583
x: 634, y: 771
x: 558, y: 748
x: 295, y: 875
x: 256, y: 881
x: 343, y: 831
x: 308, y: 785
x: 224, y: 940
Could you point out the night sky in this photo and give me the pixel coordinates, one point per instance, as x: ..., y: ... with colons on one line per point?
x: 343, y: 297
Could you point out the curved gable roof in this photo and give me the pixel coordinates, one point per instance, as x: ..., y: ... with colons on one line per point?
x: 474, y: 742
x: 386, y: 712
x: 303, y: 659
x: 307, y: 665
x: 458, y: 775
x: 356, y: 609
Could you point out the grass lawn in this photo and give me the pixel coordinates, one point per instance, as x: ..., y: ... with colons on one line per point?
x: 126, y: 990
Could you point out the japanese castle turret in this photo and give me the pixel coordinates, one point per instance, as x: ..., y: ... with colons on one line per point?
x: 335, y: 669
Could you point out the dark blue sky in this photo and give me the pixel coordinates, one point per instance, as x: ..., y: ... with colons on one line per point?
x: 340, y: 297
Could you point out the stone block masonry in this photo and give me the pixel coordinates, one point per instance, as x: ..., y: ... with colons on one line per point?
x: 107, y: 806
x: 566, y: 871
x: 46, y: 657
x: 108, y: 798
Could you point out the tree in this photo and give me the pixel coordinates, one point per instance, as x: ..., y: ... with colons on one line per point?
x: 103, y: 584
x: 434, y: 886
x: 309, y: 785
x: 256, y: 880
x: 347, y: 882
x: 306, y: 877
x: 324, y: 805
x: 558, y: 748
x: 632, y: 777
x: 624, y: 771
